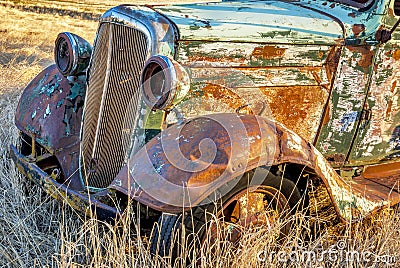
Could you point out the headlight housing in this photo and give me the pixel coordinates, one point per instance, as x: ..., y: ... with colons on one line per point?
x: 164, y: 82
x: 71, y: 53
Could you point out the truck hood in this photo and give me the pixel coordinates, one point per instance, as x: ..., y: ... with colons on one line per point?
x: 248, y: 21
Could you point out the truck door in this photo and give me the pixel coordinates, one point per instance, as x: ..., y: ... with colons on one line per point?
x: 378, y: 136
x: 346, y: 103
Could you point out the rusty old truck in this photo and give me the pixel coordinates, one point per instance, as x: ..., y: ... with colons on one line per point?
x: 233, y: 106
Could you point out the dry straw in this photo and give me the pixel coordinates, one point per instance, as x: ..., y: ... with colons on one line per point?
x: 36, y: 231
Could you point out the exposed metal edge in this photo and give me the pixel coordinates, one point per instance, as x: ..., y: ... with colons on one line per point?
x: 115, y: 15
x: 61, y: 192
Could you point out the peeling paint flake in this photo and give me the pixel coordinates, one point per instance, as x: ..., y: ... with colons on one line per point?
x: 47, y: 112
x: 257, y: 22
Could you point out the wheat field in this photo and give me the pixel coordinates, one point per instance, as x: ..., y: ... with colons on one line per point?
x: 36, y: 231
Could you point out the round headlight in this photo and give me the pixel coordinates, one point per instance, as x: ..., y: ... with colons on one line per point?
x: 71, y: 54
x: 164, y: 82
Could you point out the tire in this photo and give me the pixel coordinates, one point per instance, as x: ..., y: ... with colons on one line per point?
x: 168, y: 231
x: 164, y: 234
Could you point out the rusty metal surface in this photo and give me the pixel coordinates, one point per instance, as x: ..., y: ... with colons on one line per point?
x: 250, y: 54
x: 289, y: 83
x: 62, y: 192
x: 386, y: 174
x: 157, y: 166
x: 345, y: 104
x: 378, y: 135
x: 273, y: 21
x: 50, y: 111
x: 261, y: 206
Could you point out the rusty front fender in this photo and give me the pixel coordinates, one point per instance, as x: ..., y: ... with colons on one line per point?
x: 185, y: 164
x: 50, y: 111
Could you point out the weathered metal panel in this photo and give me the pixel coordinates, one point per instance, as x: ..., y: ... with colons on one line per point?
x: 385, y: 174
x: 378, y: 138
x: 287, y: 83
x: 299, y: 108
x: 234, y: 54
x: 359, y: 25
x: 345, y: 103
x: 269, y: 21
x: 50, y: 111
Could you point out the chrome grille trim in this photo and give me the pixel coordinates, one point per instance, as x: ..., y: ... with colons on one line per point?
x: 113, y: 89
x: 108, y: 69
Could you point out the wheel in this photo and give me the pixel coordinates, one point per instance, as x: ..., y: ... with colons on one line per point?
x: 243, y: 207
x: 164, y: 233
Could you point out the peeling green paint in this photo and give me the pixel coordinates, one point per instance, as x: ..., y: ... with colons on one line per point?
x: 345, y: 106
x: 44, y: 141
x: 67, y: 125
x: 50, y: 87
x: 47, y: 111
x: 32, y: 130
x: 78, y: 89
x: 272, y: 21
x: 59, y: 103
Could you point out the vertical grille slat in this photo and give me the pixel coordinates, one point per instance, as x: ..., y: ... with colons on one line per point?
x: 120, y: 95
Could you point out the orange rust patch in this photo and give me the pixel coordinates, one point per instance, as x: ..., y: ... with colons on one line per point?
x: 357, y: 29
x: 396, y: 54
x: 391, y: 12
x: 389, y: 109
x: 268, y: 52
x: 225, y: 95
x: 327, y: 115
x: 298, y: 107
x: 382, y: 170
x: 393, y: 86
x: 390, y: 102
x: 203, y: 58
x: 332, y: 62
x: 367, y: 56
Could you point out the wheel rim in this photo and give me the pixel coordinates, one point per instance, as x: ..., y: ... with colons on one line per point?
x: 254, y: 207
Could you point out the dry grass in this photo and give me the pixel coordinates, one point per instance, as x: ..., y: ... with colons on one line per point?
x: 36, y: 231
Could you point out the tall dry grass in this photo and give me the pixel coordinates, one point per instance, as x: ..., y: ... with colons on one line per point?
x: 36, y: 231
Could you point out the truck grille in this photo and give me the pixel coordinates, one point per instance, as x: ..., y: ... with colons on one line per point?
x: 112, y: 101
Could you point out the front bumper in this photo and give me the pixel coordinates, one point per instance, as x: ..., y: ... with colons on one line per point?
x: 77, y: 200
